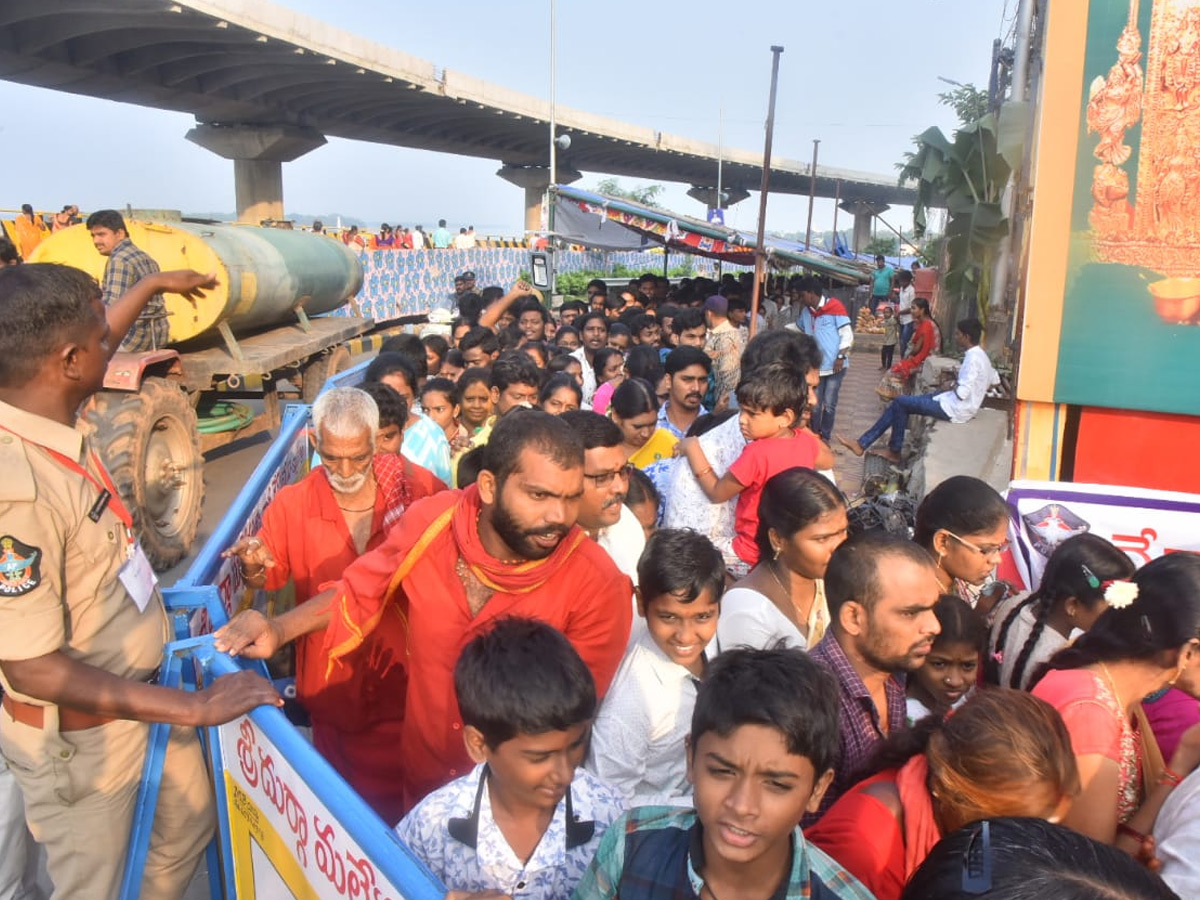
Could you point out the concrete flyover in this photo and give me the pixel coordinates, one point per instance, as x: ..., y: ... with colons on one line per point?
x: 267, y: 84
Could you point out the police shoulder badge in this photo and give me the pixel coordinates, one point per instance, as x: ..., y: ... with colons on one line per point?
x: 20, y: 567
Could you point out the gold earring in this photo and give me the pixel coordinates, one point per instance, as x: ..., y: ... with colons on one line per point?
x: 778, y: 550
x: 1178, y: 672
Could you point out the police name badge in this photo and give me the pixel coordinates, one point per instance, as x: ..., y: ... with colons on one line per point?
x: 20, y: 567
x: 138, y: 578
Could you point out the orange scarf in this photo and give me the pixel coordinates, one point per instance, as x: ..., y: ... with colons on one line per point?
x: 445, y: 529
x: 920, y: 829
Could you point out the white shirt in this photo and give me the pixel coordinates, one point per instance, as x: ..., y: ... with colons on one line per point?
x: 589, y: 377
x: 750, y: 619
x: 552, y: 871
x: 624, y: 541
x: 915, y: 710
x: 975, y: 376
x: 687, y: 506
x: 904, y: 307
x: 1177, y: 833
x: 638, y: 739
x: 1048, y: 643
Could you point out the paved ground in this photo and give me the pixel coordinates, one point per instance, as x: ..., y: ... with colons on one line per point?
x: 858, y: 408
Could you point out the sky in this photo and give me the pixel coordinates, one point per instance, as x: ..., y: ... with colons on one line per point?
x: 862, y: 76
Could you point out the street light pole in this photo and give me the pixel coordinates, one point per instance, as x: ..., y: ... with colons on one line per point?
x: 553, y: 121
x: 760, y: 256
x: 812, y: 194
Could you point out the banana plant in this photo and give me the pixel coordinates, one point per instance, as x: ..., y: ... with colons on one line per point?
x: 967, y: 176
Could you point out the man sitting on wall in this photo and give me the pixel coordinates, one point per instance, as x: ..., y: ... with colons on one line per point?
x: 958, y: 405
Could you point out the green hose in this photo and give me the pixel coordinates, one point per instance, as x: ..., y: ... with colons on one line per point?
x: 222, y: 415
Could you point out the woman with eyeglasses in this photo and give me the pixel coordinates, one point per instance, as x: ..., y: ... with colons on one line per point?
x: 963, y: 523
x: 1147, y: 639
x: 1002, y: 753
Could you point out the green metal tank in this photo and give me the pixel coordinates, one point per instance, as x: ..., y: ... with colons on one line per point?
x: 264, y: 274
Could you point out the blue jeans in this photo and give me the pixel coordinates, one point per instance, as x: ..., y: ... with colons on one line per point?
x: 906, y: 333
x: 827, y: 399
x: 896, y: 416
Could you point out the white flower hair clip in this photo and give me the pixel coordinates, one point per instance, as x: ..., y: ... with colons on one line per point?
x: 1119, y: 594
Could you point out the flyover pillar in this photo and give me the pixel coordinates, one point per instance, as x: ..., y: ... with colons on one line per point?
x: 708, y: 195
x: 535, y: 180
x: 863, y: 212
x: 258, y: 153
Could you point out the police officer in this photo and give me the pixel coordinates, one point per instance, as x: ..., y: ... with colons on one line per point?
x: 82, y: 624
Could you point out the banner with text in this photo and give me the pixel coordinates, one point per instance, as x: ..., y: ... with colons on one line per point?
x: 292, y: 828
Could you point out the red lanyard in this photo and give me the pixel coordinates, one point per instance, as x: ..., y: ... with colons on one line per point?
x: 115, y: 503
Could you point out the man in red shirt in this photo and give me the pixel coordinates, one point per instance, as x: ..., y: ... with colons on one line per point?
x: 507, y: 545
x: 311, y: 532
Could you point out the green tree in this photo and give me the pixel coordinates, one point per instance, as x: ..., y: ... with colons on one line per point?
x: 969, y: 103
x: 883, y: 245
x: 967, y: 175
x: 643, y: 195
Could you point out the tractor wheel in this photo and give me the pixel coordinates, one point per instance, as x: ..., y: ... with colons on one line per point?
x: 151, y: 446
x: 323, y: 367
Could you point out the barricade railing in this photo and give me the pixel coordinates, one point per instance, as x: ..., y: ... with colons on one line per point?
x: 288, y: 825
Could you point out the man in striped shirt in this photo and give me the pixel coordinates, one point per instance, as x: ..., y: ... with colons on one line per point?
x: 125, y: 267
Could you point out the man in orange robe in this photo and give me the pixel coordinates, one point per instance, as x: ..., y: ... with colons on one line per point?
x: 507, y: 545
x: 311, y: 532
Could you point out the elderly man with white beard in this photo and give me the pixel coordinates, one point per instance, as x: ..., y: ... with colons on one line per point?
x: 602, y: 511
x: 311, y: 532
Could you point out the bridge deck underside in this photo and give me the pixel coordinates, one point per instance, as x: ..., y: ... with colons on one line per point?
x: 171, y: 56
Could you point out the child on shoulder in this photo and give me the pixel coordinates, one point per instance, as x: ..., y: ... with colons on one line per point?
x: 639, y: 739
x: 763, y: 742
x: 772, y: 403
x: 525, y: 822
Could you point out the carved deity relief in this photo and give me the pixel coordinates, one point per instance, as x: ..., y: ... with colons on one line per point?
x: 1159, y: 226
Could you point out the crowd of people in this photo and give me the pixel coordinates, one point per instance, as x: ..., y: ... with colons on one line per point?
x: 580, y: 613
x: 21, y: 237
x: 401, y: 237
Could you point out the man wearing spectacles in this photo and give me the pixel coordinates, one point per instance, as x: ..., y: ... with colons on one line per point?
x: 603, y: 514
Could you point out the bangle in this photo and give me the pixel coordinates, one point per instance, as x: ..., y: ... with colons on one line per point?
x: 1124, y: 829
x: 248, y: 574
x: 702, y: 473
x: 1170, y: 777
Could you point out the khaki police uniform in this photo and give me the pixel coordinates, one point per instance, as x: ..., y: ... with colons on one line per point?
x: 60, y: 591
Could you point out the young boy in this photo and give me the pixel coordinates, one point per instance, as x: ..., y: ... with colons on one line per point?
x: 891, y: 334
x: 525, y: 822
x: 638, y: 741
x: 771, y: 403
x: 763, y: 742
x: 393, y: 414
